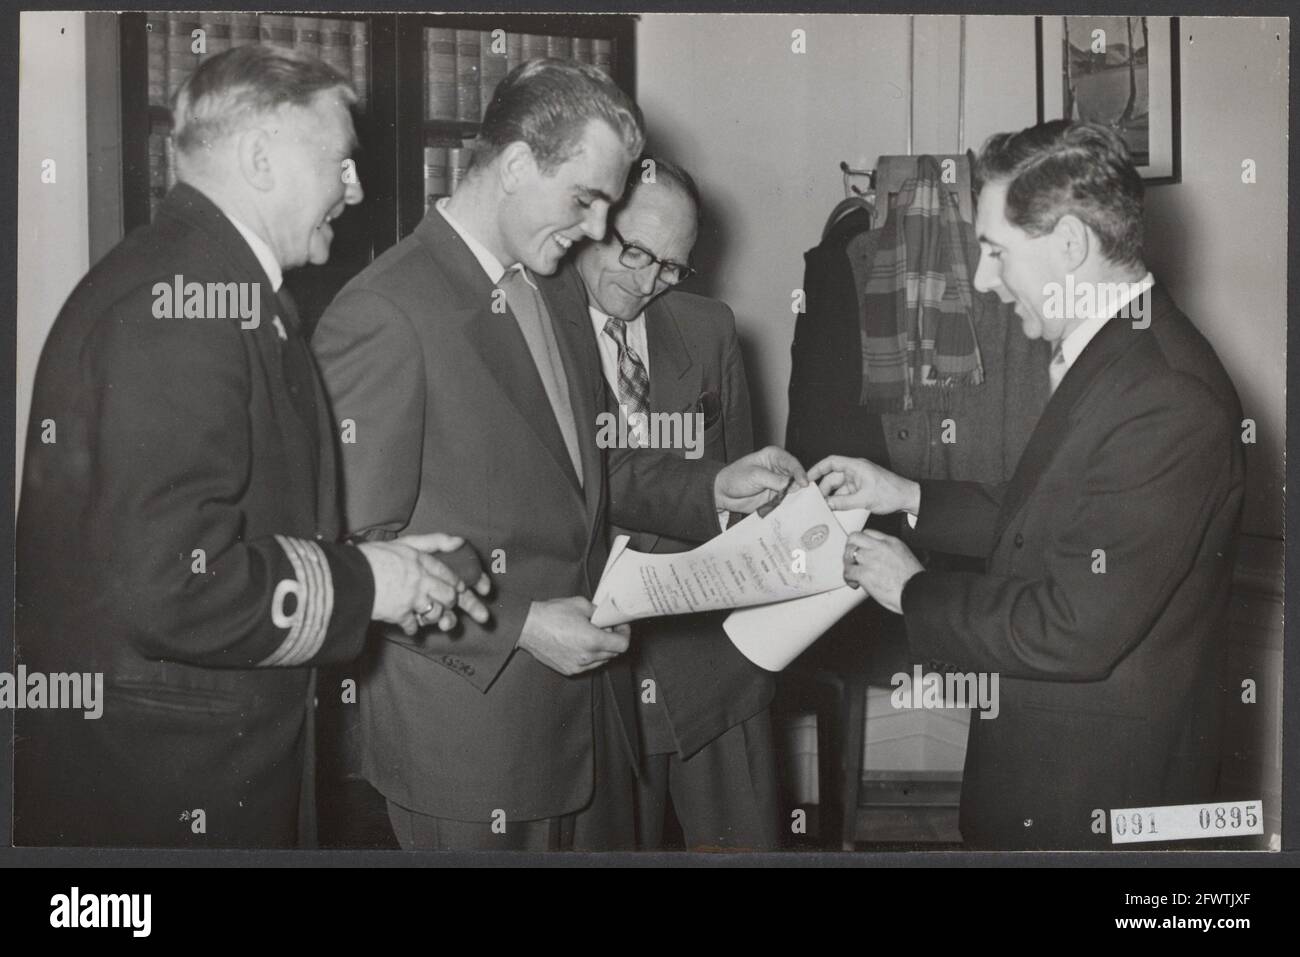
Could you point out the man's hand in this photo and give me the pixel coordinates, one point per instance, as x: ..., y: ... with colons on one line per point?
x: 560, y: 635
x: 881, y: 564
x: 857, y: 483
x: 757, y: 479
x: 412, y: 588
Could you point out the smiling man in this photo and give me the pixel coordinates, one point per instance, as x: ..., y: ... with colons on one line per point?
x: 705, y: 727
x: 471, y: 393
x: 1109, y: 553
x: 178, y: 524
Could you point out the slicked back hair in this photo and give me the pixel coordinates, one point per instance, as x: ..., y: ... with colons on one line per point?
x: 548, y: 104
x: 248, y: 81
x: 1062, y: 167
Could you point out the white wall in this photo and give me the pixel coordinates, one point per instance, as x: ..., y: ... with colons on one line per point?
x: 53, y: 252
x: 764, y: 129
x: 1220, y: 243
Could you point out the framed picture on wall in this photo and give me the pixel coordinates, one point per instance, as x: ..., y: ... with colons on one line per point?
x: 1119, y: 71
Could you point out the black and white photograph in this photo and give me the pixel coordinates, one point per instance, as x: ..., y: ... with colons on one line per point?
x: 739, y: 435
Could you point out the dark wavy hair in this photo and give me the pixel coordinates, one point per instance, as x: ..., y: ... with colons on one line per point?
x: 548, y: 104
x: 1064, y: 167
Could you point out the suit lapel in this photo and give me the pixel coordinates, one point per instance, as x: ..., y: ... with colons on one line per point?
x: 672, y: 385
x: 566, y: 301
x: 272, y: 336
x: 1088, y: 372
x: 495, y: 336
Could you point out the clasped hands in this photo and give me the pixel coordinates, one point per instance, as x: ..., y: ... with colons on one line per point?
x: 414, y: 589
x: 877, y: 562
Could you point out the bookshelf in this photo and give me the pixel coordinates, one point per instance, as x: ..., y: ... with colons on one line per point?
x: 411, y: 97
x: 440, y: 101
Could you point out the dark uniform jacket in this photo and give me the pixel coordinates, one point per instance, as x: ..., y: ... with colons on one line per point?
x: 177, y: 532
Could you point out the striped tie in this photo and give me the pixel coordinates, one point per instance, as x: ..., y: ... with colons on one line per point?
x: 633, y: 380
x: 1056, y: 369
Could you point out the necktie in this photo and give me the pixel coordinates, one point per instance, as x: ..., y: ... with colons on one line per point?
x: 299, y: 372
x: 1056, y: 368
x: 535, y: 324
x: 633, y: 380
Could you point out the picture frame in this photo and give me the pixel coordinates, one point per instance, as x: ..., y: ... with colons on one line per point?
x: 1123, y: 73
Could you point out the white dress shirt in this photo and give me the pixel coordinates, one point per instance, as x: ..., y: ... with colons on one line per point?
x: 491, y: 265
x: 1073, y: 345
x: 262, y: 251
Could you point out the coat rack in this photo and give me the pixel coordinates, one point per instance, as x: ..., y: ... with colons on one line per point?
x: 891, y: 171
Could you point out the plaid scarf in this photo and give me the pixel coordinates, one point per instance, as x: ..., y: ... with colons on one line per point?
x: 918, y: 334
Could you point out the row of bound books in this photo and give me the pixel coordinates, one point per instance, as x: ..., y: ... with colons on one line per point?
x: 175, y: 49
x: 463, y: 67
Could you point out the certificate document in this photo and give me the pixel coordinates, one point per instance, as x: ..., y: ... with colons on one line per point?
x: 794, y: 551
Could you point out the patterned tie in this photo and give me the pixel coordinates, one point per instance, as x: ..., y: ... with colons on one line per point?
x: 633, y: 380
x: 1056, y: 368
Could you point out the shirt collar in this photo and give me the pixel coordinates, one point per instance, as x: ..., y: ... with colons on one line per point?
x: 262, y: 251
x: 491, y: 265
x: 1072, y: 346
x: 599, y: 318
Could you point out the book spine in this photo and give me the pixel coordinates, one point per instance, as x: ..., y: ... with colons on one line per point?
x: 440, y: 73
x: 276, y: 30
x: 156, y: 49
x: 559, y: 48
x: 243, y: 29
x: 602, y: 51
x: 336, y: 46
x: 361, y: 62
x: 514, y: 50
x: 306, y: 36
x: 181, y: 58
x: 468, y: 65
x: 436, y: 180
x: 216, y: 34
x: 582, y: 50
x: 457, y: 163
x: 534, y: 46
x: 493, y: 53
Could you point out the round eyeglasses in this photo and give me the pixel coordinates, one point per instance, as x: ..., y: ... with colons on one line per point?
x: 638, y: 257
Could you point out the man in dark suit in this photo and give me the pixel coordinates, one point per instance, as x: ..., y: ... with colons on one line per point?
x: 1109, y: 552
x: 705, y: 726
x: 475, y: 398
x: 178, y: 524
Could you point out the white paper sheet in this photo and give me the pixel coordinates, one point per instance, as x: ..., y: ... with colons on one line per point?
x: 795, y: 550
x: 772, y: 636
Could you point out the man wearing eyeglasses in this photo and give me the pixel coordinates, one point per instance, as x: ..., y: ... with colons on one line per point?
x: 703, y: 709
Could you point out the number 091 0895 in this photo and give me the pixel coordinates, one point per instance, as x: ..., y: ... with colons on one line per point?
x: 1182, y: 822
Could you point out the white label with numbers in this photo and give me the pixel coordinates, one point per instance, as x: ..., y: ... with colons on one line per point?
x: 1186, y: 822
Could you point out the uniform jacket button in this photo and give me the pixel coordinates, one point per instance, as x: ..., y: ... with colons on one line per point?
x: 903, y: 434
x: 1019, y: 540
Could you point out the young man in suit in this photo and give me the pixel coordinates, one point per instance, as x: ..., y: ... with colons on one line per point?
x: 705, y: 727
x: 178, y: 523
x: 475, y: 398
x: 1109, y: 553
